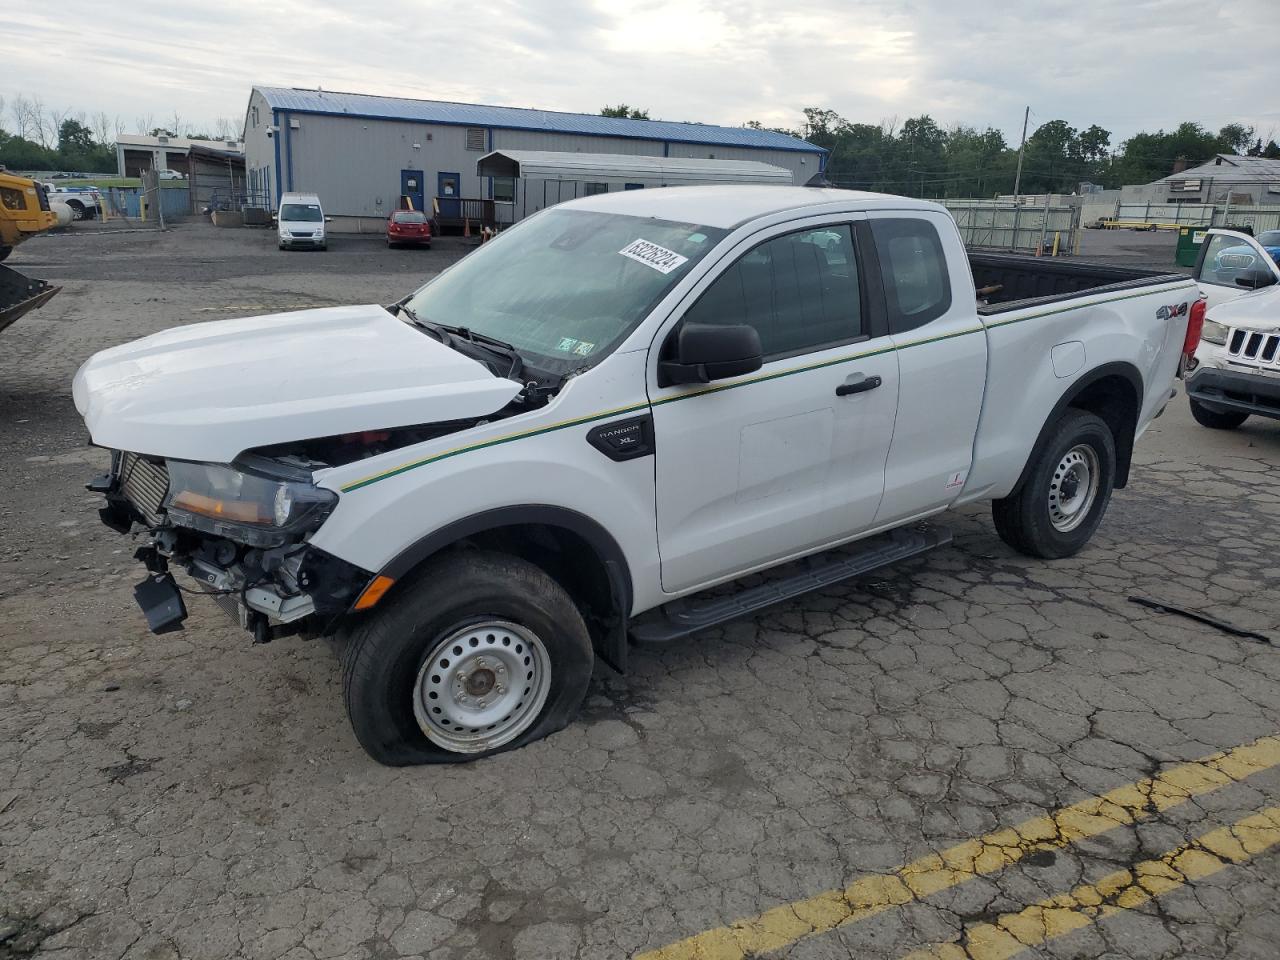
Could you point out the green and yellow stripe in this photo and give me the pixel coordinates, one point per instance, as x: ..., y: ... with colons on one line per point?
x: 715, y: 388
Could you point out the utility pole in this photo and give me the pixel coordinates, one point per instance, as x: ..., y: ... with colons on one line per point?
x: 1017, y: 177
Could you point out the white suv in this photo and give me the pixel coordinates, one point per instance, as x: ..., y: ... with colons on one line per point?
x: 1236, y: 371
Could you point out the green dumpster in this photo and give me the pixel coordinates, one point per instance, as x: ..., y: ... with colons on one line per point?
x: 1189, y: 241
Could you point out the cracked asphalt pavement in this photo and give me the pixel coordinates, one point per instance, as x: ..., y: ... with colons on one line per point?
x: 971, y: 755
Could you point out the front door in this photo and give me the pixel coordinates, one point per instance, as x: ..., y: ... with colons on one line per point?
x: 449, y: 195
x: 411, y: 191
x: 777, y: 463
x: 1232, y: 263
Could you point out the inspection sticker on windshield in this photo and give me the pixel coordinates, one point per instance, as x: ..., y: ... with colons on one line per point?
x: 652, y: 255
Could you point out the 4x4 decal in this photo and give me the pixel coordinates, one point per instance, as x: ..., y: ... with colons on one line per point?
x: 1171, y: 311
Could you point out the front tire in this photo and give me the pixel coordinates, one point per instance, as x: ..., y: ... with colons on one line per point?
x: 478, y: 653
x: 1065, y: 493
x: 1216, y: 420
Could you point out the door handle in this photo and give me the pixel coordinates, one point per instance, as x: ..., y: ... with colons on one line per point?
x: 861, y: 385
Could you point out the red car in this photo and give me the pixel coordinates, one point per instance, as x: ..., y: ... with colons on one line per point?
x: 408, y: 226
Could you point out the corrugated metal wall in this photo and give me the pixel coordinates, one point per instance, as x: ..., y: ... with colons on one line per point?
x: 353, y: 164
x: 259, y: 149
x: 569, y: 143
x: 802, y: 165
x: 1004, y: 226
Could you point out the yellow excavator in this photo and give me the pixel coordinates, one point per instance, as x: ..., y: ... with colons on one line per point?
x: 24, y: 211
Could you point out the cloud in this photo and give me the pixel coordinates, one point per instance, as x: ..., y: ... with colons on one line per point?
x: 1126, y: 66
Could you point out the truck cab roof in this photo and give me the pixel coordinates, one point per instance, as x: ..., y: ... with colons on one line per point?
x: 729, y: 205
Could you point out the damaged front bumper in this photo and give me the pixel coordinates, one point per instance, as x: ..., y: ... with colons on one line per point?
x: 271, y: 591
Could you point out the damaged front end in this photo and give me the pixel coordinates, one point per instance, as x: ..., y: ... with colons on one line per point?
x: 240, y: 532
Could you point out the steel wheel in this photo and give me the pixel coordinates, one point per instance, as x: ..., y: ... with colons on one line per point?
x: 1073, y: 488
x: 482, y: 686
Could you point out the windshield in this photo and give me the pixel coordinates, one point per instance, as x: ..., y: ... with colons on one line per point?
x: 301, y: 211
x: 409, y: 216
x: 565, y: 285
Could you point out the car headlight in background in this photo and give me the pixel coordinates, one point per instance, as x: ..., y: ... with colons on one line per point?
x: 1214, y: 333
x: 242, y: 505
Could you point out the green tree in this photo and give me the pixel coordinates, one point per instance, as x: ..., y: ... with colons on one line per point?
x: 625, y: 112
x: 1236, y: 137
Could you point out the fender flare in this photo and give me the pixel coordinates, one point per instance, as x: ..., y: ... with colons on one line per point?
x: 613, y: 646
x: 1120, y: 368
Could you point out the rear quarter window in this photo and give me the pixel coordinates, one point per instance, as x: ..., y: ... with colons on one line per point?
x: 917, y: 286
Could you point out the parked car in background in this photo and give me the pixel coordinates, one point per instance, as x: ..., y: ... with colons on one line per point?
x: 85, y: 203
x: 167, y: 174
x: 408, y: 226
x: 1229, y: 261
x: 593, y: 426
x: 300, y: 222
x: 1236, y: 370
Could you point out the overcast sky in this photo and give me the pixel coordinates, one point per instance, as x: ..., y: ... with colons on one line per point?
x: 1125, y: 64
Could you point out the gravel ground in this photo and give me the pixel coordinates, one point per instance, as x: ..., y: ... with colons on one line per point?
x: 195, y: 796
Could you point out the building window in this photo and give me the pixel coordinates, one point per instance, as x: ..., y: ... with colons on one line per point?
x: 254, y: 113
x: 591, y: 189
x: 475, y: 138
x: 633, y: 186
x: 504, y: 189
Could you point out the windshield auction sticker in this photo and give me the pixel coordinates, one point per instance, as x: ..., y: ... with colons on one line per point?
x: 652, y: 255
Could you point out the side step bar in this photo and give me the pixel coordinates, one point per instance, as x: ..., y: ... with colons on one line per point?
x: 679, y: 618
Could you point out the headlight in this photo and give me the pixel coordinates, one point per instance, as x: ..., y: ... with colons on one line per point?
x: 1214, y: 333
x: 247, y: 506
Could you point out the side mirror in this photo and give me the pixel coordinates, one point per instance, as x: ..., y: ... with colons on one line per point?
x: 1256, y: 279
x: 706, y: 352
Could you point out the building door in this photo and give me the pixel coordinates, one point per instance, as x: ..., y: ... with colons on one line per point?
x: 411, y: 191
x: 449, y: 194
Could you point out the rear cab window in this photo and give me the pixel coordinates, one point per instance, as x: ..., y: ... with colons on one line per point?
x: 913, y: 267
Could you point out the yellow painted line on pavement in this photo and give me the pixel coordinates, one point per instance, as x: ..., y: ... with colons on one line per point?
x: 1115, y: 893
x: 866, y: 897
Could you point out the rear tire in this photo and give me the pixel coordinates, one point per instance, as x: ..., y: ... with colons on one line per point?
x: 1216, y: 420
x: 472, y: 633
x: 1065, y: 492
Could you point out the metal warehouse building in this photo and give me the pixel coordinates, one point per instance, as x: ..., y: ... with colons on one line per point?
x: 362, y: 153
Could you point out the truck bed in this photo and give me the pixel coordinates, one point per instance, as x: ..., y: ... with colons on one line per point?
x: 1025, y: 281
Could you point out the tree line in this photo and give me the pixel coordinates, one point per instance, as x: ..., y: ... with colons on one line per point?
x: 920, y: 158
x: 34, y: 136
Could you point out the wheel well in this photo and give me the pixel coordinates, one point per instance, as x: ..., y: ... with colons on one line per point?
x: 1114, y: 400
x: 585, y: 561
x: 79, y: 205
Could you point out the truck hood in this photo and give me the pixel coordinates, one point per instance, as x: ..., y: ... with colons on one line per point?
x: 1258, y: 310
x: 210, y: 391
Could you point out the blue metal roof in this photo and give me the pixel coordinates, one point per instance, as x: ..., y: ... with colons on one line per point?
x: 519, y: 118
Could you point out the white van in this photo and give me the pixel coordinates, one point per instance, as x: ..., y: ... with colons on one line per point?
x: 300, y: 222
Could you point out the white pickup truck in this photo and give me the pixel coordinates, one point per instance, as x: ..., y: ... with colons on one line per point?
x: 574, y: 434
x: 1236, y: 370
